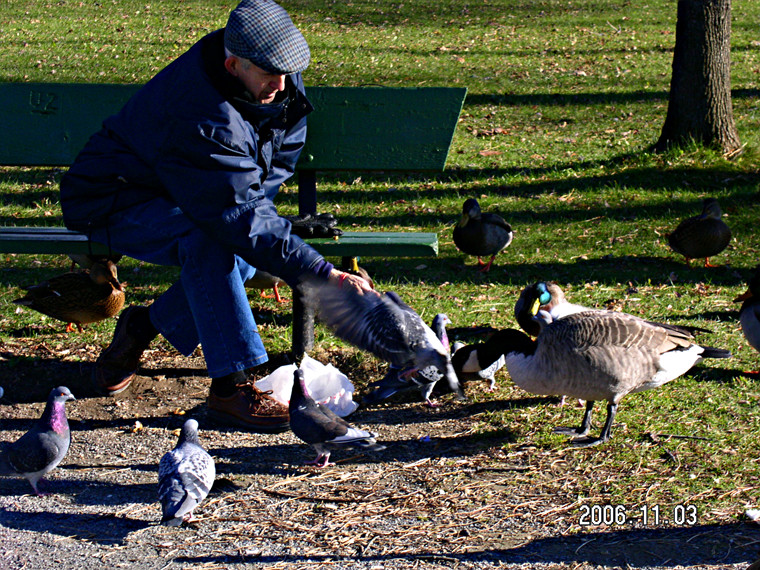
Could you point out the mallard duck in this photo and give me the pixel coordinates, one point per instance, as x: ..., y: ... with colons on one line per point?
x: 749, y: 314
x: 86, y: 260
x: 78, y: 298
x: 701, y: 236
x: 351, y: 265
x: 481, y: 234
x: 547, y: 296
x: 265, y: 281
x: 601, y: 355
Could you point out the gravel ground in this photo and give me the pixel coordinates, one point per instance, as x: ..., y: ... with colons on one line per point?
x: 438, y: 496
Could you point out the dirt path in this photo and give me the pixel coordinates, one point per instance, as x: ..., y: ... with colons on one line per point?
x: 440, y: 495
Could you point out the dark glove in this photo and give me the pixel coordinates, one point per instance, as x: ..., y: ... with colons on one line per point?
x: 314, y: 225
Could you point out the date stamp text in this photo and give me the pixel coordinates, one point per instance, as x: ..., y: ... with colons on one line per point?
x: 646, y: 515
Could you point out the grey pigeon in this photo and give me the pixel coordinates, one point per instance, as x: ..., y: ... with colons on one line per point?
x: 321, y: 428
x: 185, y: 476
x: 424, y: 380
x: 39, y: 450
x: 385, y: 326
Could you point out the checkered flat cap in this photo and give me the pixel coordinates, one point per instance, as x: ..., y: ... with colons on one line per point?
x: 262, y: 32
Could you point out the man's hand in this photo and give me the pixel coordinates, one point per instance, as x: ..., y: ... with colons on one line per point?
x: 342, y: 279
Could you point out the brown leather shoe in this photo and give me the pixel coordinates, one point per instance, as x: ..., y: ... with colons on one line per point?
x: 117, y: 365
x: 251, y: 409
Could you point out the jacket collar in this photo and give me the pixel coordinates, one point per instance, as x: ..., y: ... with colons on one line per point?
x: 212, y: 55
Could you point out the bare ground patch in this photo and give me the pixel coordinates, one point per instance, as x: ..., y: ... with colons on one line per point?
x: 444, y: 493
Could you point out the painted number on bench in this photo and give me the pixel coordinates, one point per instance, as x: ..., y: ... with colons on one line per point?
x: 43, y: 103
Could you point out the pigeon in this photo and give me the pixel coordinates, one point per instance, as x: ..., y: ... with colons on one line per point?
x: 323, y: 429
x: 78, y: 298
x: 481, y: 234
x: 385, y: 326
x: 39, y: 450
x: 703, y: 235
x: 480, y: 361
x: 425, y: 379
x: 185, y: 476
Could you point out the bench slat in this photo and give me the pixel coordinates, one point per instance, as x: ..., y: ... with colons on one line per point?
x: 57, y: 240
x: 351, y: 128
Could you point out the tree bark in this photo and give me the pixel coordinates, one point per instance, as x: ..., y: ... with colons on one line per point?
x: 699, y: 107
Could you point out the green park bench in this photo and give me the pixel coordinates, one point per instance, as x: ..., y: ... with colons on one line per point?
x: 352, y: 129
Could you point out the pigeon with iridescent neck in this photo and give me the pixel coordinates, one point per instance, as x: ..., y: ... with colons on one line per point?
x: 323, y: 429
x: 43, y: 447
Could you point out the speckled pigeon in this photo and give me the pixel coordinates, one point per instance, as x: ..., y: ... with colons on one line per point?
x: 185, y: 476
x: 39, y: 450
x: 321, y: 428
x: 424, y: 380
x: 385, y: 326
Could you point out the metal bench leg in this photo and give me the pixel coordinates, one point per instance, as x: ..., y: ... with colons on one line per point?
x: 303, y: 325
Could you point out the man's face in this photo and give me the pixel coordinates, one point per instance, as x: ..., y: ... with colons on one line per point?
x: 263, y: 85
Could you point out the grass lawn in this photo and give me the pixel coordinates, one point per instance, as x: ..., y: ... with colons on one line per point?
x: 564, y: 99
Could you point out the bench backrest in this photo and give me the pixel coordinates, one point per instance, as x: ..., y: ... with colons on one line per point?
x: 352, y: 128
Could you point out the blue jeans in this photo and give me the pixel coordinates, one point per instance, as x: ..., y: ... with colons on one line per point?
x: 209, y: 304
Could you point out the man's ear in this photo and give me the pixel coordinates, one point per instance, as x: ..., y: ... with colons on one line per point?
x: 232, y: 64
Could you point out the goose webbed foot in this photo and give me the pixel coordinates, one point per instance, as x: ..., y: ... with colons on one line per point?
x: 606, y: 430
x: 585, y: 426
x: 587, y: 442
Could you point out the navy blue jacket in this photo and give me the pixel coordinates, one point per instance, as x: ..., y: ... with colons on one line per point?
x: 192, y: 136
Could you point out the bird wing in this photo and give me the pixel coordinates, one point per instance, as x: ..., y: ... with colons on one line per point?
x: 311, y: 425
x: 380, y: 324
x: 185, y: 477
x: 35, y: 450
x: 496, y: 220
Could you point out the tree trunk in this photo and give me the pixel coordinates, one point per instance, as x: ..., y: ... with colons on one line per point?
x: 699, y: 108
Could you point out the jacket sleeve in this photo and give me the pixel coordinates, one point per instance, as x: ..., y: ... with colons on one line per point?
x: 212, y: 176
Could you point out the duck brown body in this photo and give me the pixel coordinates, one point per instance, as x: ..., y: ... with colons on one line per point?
x: 701, y: 236
x: 78, y: 298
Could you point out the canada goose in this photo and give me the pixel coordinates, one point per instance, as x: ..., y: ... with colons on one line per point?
x: 749, y: 314
x: 601, y: 355
x: 481, y: 234
x: 78, y: 298
x: 701, y: 236
x: 479, y: 361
